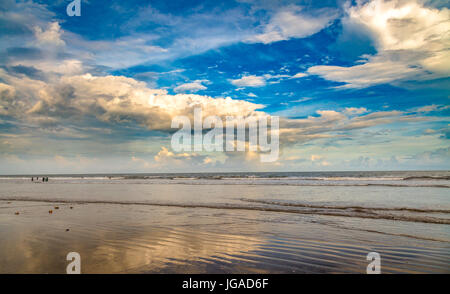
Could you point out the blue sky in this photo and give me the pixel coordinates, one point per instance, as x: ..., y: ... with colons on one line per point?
x: 358, y: 85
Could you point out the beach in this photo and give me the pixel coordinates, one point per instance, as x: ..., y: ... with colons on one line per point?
x: 227, y: 223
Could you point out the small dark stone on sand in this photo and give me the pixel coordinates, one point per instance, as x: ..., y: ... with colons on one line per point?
x: 67, y: 230
x: 56, y: 207
x: 17, y: 213
x: 50, y: 211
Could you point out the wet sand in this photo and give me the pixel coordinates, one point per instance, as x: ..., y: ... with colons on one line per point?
x: 163, y: 228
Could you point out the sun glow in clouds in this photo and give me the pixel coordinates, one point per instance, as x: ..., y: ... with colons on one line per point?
x: 234, y: 141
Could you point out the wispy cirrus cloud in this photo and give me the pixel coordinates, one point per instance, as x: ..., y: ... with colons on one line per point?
x: 293, y: 22
x: 260, y: 81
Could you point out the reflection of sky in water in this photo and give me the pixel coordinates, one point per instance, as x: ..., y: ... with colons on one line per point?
x: 135, y: 238
x: 110, y: 239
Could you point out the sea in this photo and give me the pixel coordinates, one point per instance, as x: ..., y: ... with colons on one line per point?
x: 242, y: 222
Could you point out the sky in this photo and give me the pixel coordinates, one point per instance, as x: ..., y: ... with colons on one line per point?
x: 358, y: 85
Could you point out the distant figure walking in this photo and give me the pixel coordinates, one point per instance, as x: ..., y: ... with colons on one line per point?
x: 44, y: 179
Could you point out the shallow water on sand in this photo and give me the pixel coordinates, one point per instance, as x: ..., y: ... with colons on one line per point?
x: 159, y: 226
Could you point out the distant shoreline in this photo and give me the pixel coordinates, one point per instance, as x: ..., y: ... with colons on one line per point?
x: 216, y: 172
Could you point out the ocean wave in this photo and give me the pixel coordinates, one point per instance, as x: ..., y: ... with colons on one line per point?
x: 347, y: 207
x: 426, y: 178
x: 272, y: 182
x: 357, y: 213
x: 276, y: 177
x: 344, y: 182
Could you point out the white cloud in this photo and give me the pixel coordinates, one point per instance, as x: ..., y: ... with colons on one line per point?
x: 7, y: 97
x: 291, y: 22
x: 165, y: 155
x: 260, y: 81
x: 412, y: 43
x: 355, y: 110
x: 316, y: 157
x: 430, y: 108
x: 51, y: 36
x: 113, y: 99
x: 52, y: 66
x: 194, y: 86
x: 250, y: 81
x: 377, y: 70
x: 331, y: 124
x: 302, y: 99
x: 299, y: 75
x: 122, y: 52
x: 118, y: 100
x: 67, y: 99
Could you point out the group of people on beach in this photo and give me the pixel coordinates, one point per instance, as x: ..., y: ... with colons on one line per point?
x: 44, y: 179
